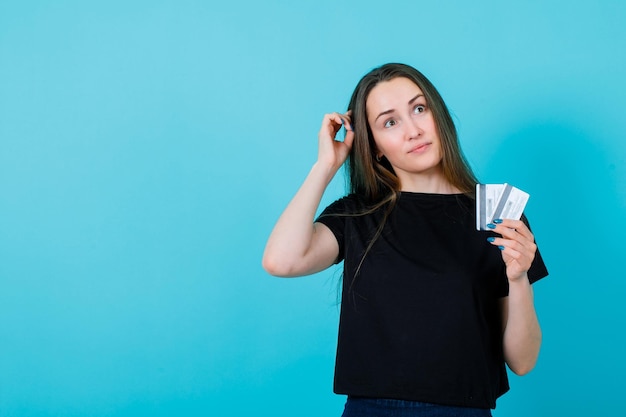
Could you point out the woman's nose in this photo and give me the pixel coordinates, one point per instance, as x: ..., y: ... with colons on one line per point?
x: 413, y: 129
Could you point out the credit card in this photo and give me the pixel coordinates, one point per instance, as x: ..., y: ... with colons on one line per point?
x: 498, y: 201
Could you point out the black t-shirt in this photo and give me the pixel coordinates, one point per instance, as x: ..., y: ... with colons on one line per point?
x: 421, y: 320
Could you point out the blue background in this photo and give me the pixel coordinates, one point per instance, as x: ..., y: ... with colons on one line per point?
x: 148, y: 147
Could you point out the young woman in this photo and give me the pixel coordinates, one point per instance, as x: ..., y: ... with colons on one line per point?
x: 432, y: 309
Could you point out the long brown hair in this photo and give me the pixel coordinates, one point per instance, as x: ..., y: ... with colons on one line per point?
x: 374, y: 180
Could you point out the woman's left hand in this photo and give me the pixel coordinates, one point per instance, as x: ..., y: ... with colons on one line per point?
x: 517, y: 244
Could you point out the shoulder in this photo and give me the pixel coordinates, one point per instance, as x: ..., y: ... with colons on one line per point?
x: 349, y: 204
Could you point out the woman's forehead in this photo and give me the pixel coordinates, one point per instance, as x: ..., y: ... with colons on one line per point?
x: 391, y: 95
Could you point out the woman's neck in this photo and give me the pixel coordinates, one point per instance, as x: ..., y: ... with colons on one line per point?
x: 432, y: 184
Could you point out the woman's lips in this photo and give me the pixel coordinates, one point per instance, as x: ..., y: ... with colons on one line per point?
x: 420, y: 148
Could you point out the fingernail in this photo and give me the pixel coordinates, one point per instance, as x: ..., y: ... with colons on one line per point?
x: 351, y: 127
x: 491, y: 226
x: 501, y: 247
x: 491, y: 239
x: 497, y: 221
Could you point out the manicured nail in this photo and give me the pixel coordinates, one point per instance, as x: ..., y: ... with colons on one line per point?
x: 497, y: 221
x: 501, y: 247
x: 491, y: 239
x: 351, y: 127
x: 491, y: 226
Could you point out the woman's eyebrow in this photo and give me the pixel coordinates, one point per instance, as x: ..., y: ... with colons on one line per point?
x: 384, y: 113
x: 415, y: 98
x: 392, y: 110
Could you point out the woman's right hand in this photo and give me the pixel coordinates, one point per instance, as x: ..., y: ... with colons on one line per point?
x: 298, y: 246
x: 332, y: 152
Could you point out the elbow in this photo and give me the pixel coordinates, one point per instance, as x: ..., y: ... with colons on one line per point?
x: 523, y: 365
x: 522, y: 369
x: 275, y: 267
x: 521, y: 355
x: 270, y: 265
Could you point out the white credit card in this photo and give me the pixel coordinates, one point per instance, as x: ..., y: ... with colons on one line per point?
x: 498, y: 201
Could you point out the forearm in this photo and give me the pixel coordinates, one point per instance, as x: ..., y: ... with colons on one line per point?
x: 522, y: 333
x: 292, y: 236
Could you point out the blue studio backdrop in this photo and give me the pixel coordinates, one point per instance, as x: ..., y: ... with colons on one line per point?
x: 148, y: 147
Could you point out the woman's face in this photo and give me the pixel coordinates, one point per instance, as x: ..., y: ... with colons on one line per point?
x: 404, y: 128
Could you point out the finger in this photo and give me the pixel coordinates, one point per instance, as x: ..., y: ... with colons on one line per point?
x: 340, y: 120
x: 349, y: 138
x: 511, y: 228
x: 516, y: 245
x: 515, y: 253
x: 517, y: 259
x: 347, y: 121
x: 331, y: 124
x: 348, y: 126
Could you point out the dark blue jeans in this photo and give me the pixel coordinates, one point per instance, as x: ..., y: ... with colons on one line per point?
x: 378, y: 407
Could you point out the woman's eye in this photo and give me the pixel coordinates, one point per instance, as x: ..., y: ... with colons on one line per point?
x: 420, y: 108
x: 390, y: 123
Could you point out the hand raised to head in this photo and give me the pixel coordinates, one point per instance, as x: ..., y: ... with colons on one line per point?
x: 333, y: 152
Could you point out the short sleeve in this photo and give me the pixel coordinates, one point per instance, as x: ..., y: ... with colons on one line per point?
x: 334, y: 217
x: 538, y: 268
